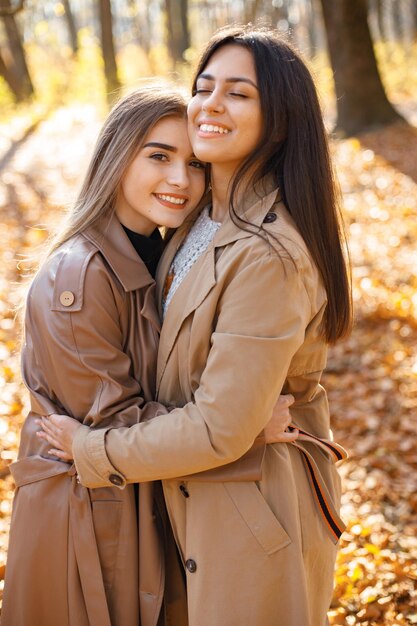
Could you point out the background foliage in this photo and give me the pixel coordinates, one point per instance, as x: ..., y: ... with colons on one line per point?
x: 45, y: 140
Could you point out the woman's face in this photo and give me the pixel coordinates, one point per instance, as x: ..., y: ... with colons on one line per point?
x: 164, y: 182
x: 224, y: 117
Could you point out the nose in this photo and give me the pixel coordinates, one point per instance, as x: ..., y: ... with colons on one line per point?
x: 212, y: 102
x: 178, y: 176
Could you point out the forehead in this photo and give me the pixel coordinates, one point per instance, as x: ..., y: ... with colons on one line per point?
x: 172, y: 126
x: 231, y: 60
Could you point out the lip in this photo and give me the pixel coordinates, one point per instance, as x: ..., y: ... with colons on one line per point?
x: 171, y: 205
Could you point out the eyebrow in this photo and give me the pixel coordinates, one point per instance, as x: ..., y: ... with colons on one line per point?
x: 162, y: 146
x: 232, y: 79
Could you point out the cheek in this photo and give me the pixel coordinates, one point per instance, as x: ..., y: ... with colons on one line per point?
x: 199, y: 185
x: 192, y: 110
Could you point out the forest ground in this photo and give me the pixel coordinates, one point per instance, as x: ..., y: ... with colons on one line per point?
x: 371, y: 378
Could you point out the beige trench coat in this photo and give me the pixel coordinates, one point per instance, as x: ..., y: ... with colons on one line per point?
x: 91, y: 335
x: 243, y: 327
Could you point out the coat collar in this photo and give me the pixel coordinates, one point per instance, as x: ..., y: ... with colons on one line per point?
x: 110, y: 238
x: 202, y: 276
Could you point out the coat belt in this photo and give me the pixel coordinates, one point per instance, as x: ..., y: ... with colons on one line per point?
x: 333, y: 523
x: 81, y: 527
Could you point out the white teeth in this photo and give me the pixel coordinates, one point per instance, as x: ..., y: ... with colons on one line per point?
x: 171, y: 199
x: 211, y: 128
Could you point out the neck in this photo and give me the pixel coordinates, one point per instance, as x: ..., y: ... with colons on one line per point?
x: 221, y: 182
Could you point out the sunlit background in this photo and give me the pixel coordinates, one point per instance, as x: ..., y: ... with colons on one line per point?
x: 62, y: 64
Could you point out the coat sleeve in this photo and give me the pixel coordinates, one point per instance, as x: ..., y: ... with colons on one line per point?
x: 246, y: 369
x: 74, y: 359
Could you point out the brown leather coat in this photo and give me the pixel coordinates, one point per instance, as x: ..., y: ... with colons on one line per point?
x: 90, y: 351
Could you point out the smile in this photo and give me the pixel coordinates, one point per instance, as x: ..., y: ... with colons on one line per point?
x: 171, y: 199
x: 211, y: 128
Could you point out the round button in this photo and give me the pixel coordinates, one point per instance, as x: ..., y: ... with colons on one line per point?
x: 66, y: 298
x: 269, y: 218
x: 191, y: 565
x: 117, y: 480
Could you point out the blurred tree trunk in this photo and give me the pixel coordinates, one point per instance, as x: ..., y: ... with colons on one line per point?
x: 413, y: 18
x: 251, y: 10
x: 107, y: 46
x: 17, y: 70
x: 10, y: 79
x: 381, y: 19
x: 72, y: 30
x: 315, y: 26
x: 361, y: 99
x: 178, y: 32
x: 144, y: 27
x: 133, y: 14
x: 397, y: 20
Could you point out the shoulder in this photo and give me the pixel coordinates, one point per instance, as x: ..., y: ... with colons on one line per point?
x: 73, y: 269
x: 277, y: 241
x: 281, y: 258
x: 285, y: 237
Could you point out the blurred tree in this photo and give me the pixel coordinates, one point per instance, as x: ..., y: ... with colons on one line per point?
x: 361, y: 99
x: 144, y: 26
x: 178, y: 32
x: 251, y: 10
x: 9, y: 77
x: 107, y: 45
x: 413, y: 19
x: 380, y: 8
x: 13, y: 66
x: 72, y: 30
x: 315, y: 27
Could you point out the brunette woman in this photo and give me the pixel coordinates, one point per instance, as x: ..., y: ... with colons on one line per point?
x: 252, y: 295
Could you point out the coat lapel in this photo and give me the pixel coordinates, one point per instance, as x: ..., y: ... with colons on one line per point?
x: 202, y: 276
x: 189, y: 295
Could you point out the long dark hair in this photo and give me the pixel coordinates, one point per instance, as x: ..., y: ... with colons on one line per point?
x: 294, y: 150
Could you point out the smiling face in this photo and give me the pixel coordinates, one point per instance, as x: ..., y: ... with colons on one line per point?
x: 224, y: 116
x: 164, y: 182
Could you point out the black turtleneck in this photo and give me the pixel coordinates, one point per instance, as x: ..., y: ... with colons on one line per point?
x: 148, y: 248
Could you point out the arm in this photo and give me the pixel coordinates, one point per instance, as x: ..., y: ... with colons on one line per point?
x: 246, y: 368
x: 60, y: 430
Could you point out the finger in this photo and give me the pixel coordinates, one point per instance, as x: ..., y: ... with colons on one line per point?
x: 60, y: 454
x: 283, y: 437
x: 50, y: 439
x: 57, y: 420
x: 48, y: 427
x: 288, y: 399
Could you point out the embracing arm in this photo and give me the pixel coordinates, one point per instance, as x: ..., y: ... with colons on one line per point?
x: 246, y: 368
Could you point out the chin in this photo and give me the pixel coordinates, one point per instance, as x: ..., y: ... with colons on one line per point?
x: 175, y: 221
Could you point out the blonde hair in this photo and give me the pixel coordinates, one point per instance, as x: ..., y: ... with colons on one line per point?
x: 121, y: 137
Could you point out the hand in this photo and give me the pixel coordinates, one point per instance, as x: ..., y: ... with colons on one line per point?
x: 59, y: 431
x: 276, y: 429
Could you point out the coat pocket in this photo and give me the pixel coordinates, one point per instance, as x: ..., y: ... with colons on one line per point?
x: 107, y: 518
x: 258, y: 516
